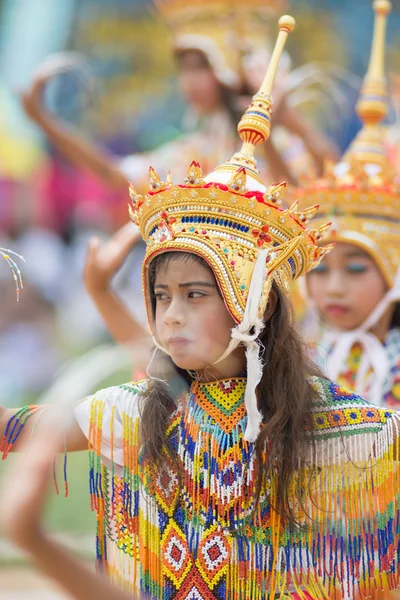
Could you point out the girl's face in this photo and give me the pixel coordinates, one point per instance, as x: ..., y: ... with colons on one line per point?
x: 346, y: 286
x: 198, y: 83
x: 192, y: 322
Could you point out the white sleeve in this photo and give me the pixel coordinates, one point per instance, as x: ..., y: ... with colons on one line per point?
x: 135, y: 167
x: 101, y: 415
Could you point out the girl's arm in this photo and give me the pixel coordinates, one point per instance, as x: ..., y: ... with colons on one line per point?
x: 22, y: 501
x: 314, y: 140
x: 277, y: 166
x: 69, y: 572
x: 68, y: 140
x: 102, y: 263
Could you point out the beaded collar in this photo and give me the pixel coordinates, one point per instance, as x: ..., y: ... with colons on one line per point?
x: 222, y: 400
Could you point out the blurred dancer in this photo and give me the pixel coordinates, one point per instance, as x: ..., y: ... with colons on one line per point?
x: 356, y: 288
x: 216, y: 46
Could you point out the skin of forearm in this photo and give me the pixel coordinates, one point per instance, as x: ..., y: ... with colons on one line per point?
x: 69, y: 572
x: 278, y: 168
x: 118, y: 319
x: 315, y: 141
x: 81, y: 152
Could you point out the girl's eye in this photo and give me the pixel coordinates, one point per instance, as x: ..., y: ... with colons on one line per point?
x: 160, y: 296
x: 196, y: 294
x: 356, y: 268
x: 320, y: 269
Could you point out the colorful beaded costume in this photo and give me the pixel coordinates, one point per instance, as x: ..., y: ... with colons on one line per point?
x: 195, y: 539
x: 349, y: 376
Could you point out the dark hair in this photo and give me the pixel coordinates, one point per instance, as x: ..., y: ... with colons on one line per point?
x: 285, y: 398
x: 395, y: 322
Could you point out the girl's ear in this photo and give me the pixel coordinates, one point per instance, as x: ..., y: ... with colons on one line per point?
x: 271, y: 304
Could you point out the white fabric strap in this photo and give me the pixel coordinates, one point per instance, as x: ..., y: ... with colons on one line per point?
x: 374, y: 353
x: 158, y: 345
x: 241, y: 335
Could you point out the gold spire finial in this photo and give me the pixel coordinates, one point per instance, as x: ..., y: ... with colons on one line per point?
x: 254, y: 126
x: 372, y: 105
x: 367, y: 148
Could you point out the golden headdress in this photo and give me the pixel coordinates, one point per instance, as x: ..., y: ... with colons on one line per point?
x: 222, y: 29
x: 231, y: 220
x: 361, y: 195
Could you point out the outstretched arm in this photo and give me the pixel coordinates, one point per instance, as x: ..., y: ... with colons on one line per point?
x: 102, y: 263
x: 69, y: 572
x: 277, y: 166
x: 68, y: 140
x: 314, y: 139
x: 22, y: 502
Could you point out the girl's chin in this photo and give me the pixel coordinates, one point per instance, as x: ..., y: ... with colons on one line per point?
x: 187, y: 363
x: 342, y: 324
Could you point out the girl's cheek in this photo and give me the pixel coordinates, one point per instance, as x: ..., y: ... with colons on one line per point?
x: 314, y: 289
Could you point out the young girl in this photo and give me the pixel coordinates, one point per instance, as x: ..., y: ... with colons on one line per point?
x: 356, y: 289
x: 235, y: 471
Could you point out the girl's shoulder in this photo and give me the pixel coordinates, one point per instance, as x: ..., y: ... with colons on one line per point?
x: 111, y: 403
x: 123, y: 396
x: 109, y: 417
x: 340, y: 411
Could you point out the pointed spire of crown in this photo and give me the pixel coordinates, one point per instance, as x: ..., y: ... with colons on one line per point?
x: 367, y: 148
x: 254, y: 126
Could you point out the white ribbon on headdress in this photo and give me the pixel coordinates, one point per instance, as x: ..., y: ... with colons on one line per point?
x: 374, y: 355
x: 241, y: 335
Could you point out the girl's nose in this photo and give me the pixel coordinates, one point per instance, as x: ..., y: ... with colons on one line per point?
x: 174, y: 314
x: 335, y: 283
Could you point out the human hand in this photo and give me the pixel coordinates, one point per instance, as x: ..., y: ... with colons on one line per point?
x: 104, y: 260
x: 55, y: 64
x: 31, y: 98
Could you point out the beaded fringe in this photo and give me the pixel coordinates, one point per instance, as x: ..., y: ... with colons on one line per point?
x: 349, y: 545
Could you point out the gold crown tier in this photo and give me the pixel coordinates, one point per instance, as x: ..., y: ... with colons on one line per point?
x: 361, y: 194
x: 227, y: 225
x: 362, y: 213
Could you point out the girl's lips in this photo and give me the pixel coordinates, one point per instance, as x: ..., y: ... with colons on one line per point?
x: 336, y: 309
x: 178, y: 341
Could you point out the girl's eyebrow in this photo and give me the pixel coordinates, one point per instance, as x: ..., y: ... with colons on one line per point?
x: 188, y: 284
x: 203, y: 283
x: 356, y: 254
